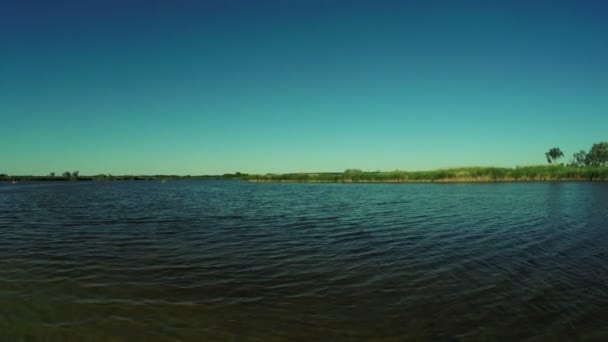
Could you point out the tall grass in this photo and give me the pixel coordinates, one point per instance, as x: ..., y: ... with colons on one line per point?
x: 468, y: 174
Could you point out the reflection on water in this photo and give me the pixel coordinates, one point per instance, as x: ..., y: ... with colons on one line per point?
x: 239, y: 261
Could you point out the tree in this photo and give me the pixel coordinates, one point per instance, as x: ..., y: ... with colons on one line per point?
x: 553, y: 155
x: 52, y: 174
x: 598, y: 155
x: 353, y: 171
x: 579, y: 158
x: 66, y: 174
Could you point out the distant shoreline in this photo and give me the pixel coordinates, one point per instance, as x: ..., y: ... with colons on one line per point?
x: 555, y: 173
x: 441, y: 181
x: 551, y: 173
x: 19, y: 178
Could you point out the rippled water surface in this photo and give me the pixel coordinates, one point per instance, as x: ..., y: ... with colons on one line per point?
x: 214, y: 260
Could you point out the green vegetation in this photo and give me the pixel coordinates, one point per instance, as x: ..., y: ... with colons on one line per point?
x: 585, y: 166
x: 597, y: 155
x: 553, y: 155
x: 75, y: 176
x: 469, y: 174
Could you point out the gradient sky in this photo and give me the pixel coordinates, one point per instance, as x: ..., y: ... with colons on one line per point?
x: 208, y: 87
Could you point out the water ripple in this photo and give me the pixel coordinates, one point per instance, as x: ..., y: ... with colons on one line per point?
x: 232, y: 260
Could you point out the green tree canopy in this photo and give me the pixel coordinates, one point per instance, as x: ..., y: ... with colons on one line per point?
x: 579, y: 158
x: 353, y: 171
x: 553, y: 155
x: 598, y: 155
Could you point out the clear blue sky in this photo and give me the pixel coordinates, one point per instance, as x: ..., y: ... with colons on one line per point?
x: 208, y: 87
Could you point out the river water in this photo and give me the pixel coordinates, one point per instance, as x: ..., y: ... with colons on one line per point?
x: 230, y: 260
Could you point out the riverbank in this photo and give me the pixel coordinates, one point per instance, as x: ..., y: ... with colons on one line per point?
x: 104, y: 178
x: 455, y: 175
x: 464, y: 175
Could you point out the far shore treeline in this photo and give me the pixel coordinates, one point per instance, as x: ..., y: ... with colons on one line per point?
x: 589, y: 165
x: 75, y: 176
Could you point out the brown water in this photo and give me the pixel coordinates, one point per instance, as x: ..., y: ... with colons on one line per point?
x: 213, y: 260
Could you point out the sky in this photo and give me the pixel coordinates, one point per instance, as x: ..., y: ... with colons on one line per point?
x: 213, y: 87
